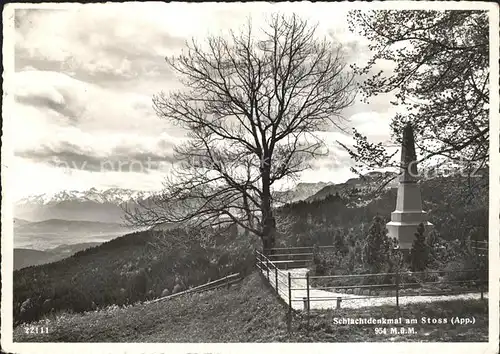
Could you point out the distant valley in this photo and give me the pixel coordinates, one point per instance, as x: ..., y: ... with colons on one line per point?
x: 25, y: 257
x: 48, y: 228
x: 48, y: 234
x: 51, y: 240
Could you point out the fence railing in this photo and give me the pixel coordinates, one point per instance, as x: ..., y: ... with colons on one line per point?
x: 293, y: 257
x: 219, y: 283
x: 480, y: 247
x: 286, y: 285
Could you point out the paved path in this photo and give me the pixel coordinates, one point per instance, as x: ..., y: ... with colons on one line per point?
x: 348, y: 300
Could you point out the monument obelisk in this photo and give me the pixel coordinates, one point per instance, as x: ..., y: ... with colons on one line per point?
x: 408, y: 214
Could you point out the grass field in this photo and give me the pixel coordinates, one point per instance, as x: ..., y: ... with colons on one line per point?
x: 251, y: 312
x: 322, y: 325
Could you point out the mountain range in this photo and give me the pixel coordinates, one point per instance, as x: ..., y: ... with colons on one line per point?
x: 108, y: 205
x: 362, y: 184
x: 90, y: 205
x: 111, y: 195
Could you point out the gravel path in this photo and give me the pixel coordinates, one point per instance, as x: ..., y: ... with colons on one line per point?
x: 348, y: 300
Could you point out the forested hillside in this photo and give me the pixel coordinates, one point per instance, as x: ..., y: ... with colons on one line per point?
x: 457, y: 206
x: 134, y: 267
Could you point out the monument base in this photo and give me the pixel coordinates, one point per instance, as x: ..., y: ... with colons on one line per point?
x: 404, y: 232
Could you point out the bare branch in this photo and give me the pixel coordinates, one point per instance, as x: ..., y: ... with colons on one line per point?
x: 252, y: 105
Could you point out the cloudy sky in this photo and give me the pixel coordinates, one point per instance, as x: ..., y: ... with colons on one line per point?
x: 85, y: 77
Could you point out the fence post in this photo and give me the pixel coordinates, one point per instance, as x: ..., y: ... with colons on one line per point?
x: 289, y: 302
x: 339, y: 300
x: 267, y: 268
x: 315, y: 252
x: 397, y: 287
x: 482, y: 281
x: 276, y: 278
x: 289, y: 292
x: 308, y: 300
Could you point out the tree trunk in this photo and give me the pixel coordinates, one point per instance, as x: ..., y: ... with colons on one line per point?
x: 269, y: 235
x: 268, y: 221
x: 246, y: 207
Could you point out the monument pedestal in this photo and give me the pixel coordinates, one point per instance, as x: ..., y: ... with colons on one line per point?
x: 404, y: 231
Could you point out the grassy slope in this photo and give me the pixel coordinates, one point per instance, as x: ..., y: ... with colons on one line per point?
x: 245, y: 312
x: 248, y: 312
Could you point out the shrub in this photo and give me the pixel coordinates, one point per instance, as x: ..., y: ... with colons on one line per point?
x: 458, y: 270
x: 419, y: 254
x: 378, y: 247
x: 138, y: 286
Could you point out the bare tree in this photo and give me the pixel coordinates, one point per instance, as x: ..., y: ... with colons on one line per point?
x: 252, y: 106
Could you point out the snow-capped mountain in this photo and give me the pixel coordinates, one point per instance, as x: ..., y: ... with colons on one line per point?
x: 106, y: 205
x: 113, y: 195
x: 90, y: 205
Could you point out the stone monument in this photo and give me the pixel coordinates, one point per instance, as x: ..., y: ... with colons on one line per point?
x: 408, y: 214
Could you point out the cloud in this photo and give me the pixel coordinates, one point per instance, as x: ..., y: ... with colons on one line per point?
x: 62, y: 121
x: 374, y: 125
x: 85, y: 78
x: 119, y: 158
x: 51, y: 91
x: 335, y: 156
x: 101, y: 153
x: 125, y: 46
x: 133, y: 39
x: 332, y: 162
x: 54, y: 98
x: 33, y: 178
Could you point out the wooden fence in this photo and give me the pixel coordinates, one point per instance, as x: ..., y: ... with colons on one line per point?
x: 219, y: 283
